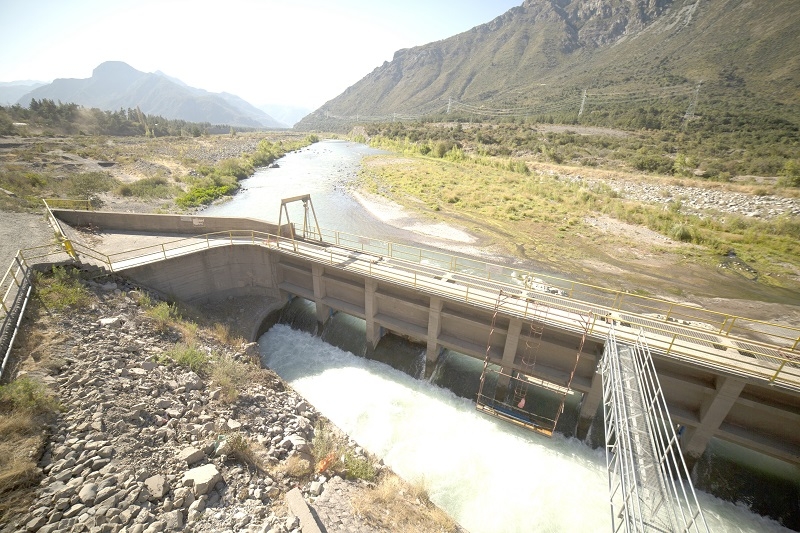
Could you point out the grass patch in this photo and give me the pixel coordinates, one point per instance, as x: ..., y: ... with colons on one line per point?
x: 230, y: 376
x: 25, y: 406
x: 331, y: 453
x: 394, y: 505
x: 188, y: 356
x: 27, y: 395
x: 149, y: 188
x: 60, y: 289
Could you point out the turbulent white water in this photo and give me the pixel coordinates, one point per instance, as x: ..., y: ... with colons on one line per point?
x: 488, y: 475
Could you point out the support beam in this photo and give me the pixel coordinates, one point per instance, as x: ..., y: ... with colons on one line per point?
x: 323, y: 311
x: 434, y: 328
x: 509, y: 351
x: 712, y: 413
x: 370, y: 308
x: 590, y: 404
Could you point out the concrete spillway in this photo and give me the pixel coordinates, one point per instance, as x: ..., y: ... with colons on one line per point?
x: 711, y: 388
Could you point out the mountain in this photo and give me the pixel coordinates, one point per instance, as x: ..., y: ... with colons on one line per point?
x: 290, y: 115
x: 116, y: 85
x: 540, y: 57
x: 11, y: 91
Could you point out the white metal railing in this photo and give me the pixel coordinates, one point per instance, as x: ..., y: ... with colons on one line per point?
x: 16, y: 289
x: 649, y: 484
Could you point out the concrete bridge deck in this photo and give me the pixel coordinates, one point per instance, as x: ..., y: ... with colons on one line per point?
x: 723, y: 376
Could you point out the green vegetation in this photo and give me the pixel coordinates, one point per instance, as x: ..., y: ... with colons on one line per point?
x: 25, y: 407
x: 163, y: 314
x: 532, y: 208
x: 188, y: 356
x: 332, y: 454
x: 230, y: 376
x: 26, y: 394
x: 223, y: 179
x: 706, y: 152
x: 89, y: 184
x: 157, y: 187
x: 70, y: 119
x: 61, y: 289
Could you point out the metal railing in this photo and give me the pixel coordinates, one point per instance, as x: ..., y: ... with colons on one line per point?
x: 16, y: 288
x: 769, y: 352
x: 649, y: 484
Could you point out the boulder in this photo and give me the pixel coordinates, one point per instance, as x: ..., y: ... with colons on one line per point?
x: 157, y: 486
x: 191, y: 455
x: 202, y: 478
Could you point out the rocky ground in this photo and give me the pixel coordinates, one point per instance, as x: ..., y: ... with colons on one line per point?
x: 143, y: 444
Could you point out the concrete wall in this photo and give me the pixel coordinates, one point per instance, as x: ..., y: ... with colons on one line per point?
x: 156, y: 223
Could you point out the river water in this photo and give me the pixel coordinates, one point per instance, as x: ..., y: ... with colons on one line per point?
x: 488, y: 475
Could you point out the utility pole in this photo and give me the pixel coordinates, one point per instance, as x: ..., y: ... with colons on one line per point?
x: 583, y: 102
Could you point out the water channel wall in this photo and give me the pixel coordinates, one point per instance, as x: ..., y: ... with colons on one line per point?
x: 707, y: 402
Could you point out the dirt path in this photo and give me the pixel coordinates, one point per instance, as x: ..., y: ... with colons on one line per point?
x: 19, y: 231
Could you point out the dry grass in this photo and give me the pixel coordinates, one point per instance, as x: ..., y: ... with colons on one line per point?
x: 25, y: 406
x: 231, y: 376
x: 247, y: 452
x: 224, y: 334
x: 395, y: 505
x: 294, y: 466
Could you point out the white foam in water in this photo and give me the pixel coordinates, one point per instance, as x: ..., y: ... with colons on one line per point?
x: 488, y: 475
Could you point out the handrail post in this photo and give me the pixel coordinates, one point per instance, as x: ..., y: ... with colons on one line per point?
x: 208, y: 242
x: 772, y: 379
x: 731, y: 326
x: 164, y: 251
x: 669, y: 312
x: 669, y: 348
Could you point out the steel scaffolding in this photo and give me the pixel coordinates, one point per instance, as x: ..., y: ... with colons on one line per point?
x: 649, y: 484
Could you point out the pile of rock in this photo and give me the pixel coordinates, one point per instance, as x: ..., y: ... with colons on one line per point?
x: 144, y: 445
x: 700, y: 201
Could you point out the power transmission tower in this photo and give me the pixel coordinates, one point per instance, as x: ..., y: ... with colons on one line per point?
x: 690, y: 111
x: 449, y: 103
x: 583, y: 102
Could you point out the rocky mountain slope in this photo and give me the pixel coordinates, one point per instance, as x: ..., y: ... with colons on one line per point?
x: 116, y: 85
x: 624, y: 53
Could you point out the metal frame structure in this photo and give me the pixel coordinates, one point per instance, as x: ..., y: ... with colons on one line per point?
x: 649, y: 484
x: 307, y: 203
x: 509, y: 403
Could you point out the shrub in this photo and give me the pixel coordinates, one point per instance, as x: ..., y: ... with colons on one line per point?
x: 147, y: 188
x: 25, y: 394
x: 61, y: 289
x: 90, y: 183
x: 683, y: 232
x: 163, y: 314
x: 230, y: 376
x: 188, y: 356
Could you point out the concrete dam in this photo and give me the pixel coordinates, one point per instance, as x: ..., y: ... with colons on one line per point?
x: 722, y: 376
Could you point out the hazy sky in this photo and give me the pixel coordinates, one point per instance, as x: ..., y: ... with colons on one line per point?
x: 295, y: 52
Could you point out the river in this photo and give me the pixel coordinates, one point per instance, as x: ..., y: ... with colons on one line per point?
x: 488, y: 475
